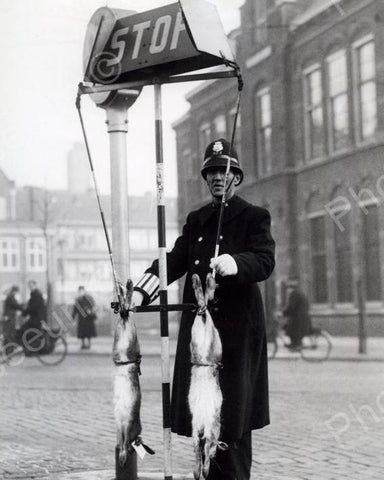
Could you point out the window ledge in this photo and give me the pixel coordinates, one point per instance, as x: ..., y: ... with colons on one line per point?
x: 340, y: 154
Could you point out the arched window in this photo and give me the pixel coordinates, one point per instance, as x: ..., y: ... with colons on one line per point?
x: 371, y: 251
x: 339, y: 209
x: 318, y: 259
x: 318, y: 248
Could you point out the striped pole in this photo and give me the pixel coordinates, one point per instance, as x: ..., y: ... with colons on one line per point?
x: 164, y: 330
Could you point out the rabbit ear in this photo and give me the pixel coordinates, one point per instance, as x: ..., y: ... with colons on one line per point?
x: 129, y: 291
x: 210, y: 288
x: 196, y: 284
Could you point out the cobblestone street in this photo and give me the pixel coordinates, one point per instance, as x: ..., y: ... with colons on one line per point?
x: 326, y: 421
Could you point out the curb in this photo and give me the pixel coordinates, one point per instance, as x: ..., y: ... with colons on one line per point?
x: 110, y: 475
x: 150, y: 347
x: 331, y: 359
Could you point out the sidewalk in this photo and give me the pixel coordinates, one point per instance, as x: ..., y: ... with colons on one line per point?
x: 344, y: 348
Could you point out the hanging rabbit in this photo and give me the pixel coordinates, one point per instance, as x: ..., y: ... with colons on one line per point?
x: 127, y: 394
x: 205, y: 397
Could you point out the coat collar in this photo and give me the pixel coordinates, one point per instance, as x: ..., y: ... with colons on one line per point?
x: 233, y: 207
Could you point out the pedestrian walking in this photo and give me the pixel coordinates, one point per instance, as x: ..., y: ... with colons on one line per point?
x: 246, y: 257
x: 11, y: 309
x: 297, y: 312
x: 84, y: 312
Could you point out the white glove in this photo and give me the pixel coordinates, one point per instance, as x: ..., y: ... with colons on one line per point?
x: 224, y: 265
x: 137, y: 299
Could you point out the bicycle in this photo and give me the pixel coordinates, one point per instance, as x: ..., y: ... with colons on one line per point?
x: 47, y: 344
x: 315, y: 347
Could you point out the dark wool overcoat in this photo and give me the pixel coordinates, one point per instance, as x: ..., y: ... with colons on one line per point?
x: 35, y: 309
x: 297, y: 311
x: 11, y: 307
x: 84, y: 311
x: 238, y: 313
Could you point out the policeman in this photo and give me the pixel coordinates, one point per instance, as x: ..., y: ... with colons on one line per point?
x: 246, y: 257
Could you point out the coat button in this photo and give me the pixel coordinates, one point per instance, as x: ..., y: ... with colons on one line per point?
x: 197, y: 262
x: 200, y: 239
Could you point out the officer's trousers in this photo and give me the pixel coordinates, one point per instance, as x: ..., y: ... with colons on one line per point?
x: 234, y: 463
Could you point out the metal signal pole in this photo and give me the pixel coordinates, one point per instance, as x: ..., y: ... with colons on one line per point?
x: 164, y: 329
x: 117, y: 125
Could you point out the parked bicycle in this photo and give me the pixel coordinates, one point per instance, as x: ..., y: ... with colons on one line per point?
x: 47, y: 344
x: 315, y: 347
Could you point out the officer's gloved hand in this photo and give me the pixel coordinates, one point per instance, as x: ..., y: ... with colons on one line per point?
x: 137, y: 299
x: 224, y: 265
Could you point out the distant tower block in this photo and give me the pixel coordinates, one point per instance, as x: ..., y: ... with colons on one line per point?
x: 78, y: 173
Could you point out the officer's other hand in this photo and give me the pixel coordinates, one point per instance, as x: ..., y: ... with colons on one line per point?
x: 137, y: 299
x: 224, y: 265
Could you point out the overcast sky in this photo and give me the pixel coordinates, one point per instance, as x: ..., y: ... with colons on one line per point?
x: 41, y: 44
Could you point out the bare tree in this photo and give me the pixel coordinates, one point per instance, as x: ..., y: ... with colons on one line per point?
x: 47, y: 215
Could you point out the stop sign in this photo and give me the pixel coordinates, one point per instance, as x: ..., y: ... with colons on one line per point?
x: 122, y: 45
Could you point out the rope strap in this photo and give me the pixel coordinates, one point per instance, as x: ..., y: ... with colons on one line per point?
x: 215, y: 365
x: 137, y: 361
x: 227, y: 186
x: 118, y: 286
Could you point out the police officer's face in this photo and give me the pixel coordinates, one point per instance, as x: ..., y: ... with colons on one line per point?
x: 215, y: 181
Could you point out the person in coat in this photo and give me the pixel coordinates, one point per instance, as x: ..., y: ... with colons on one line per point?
x: 84, y: 311
x: 35, y: 309
x: 246, y: 257
x: 36, y: 313
x: 11, y: 309
x: 297, y: 312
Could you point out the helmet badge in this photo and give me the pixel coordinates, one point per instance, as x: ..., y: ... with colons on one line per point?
x: 217, y: 148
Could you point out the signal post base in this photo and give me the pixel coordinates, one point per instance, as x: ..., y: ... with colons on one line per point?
x: 129, y: 470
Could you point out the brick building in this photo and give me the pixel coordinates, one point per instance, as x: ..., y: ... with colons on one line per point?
x: 312, y: 146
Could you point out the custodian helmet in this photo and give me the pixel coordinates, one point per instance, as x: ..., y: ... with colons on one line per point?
x: 216, y: 155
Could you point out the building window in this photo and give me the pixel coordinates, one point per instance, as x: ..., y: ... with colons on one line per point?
x: 3, y: 208
x: 343, y: 264
x: 365, y: 91
x: 260, y: 12
x: 220, y: 126
x: 313, y: 106
x: 187, y: 163
x: 138, y: 239
x: 319, y: 260
x: 36, y: 255
x: 9, y: 254
x: 154, y: 239
x: 85, y: 239
x: 371, y: 252
x: 264, y: 131
x: 338, y: 100
x: 204, y: 137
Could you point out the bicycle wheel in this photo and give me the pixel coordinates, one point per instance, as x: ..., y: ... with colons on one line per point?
x: 316, y: 347
x: 55, y: 356
x: 272, y: 347
x: 13, y: 355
